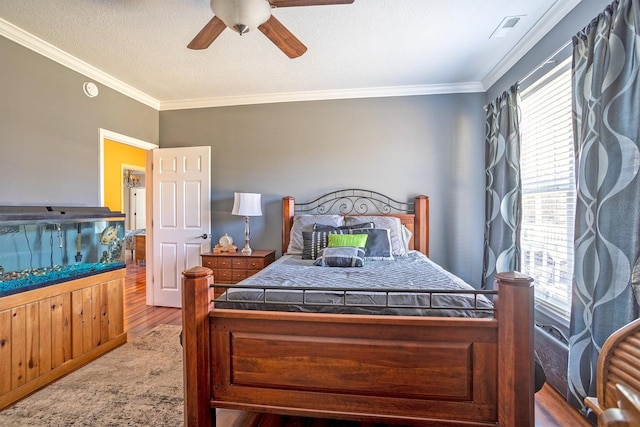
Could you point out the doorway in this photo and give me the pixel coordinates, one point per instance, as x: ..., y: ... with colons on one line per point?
x: 105, y: 136
x: 134, y: 197
x: 113, y: 190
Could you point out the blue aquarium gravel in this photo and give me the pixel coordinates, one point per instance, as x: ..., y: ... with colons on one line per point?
x: 20, y: 281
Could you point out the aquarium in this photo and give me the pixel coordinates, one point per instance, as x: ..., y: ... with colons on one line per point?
x: 41, y: 246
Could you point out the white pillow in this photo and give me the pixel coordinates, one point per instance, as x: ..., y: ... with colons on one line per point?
x: 305, y: 223
x: 400, y: 235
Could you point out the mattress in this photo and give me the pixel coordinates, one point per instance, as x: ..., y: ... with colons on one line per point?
x: 409, y: 285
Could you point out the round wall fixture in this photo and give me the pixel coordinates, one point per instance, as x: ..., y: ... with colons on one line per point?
x: 90, y: 89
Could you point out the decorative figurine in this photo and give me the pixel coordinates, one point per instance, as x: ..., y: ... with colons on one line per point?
x: 225, y: 244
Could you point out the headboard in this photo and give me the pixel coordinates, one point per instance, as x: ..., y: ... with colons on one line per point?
x: 352, y: 202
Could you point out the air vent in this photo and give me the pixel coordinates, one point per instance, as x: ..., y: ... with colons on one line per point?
x: 507, y: 24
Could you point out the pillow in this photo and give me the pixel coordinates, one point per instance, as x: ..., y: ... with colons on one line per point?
x: 305, y: 223
x: 353, y: 240
x: 378, y: 245
x: 406, y: 235
x: 313, y: 242
x: 341, y: 257
x: 343, y: 229
x: 399, y: 246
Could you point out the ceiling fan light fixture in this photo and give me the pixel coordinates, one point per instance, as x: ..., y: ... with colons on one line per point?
x: 240, y: 28
x: 242, y: 15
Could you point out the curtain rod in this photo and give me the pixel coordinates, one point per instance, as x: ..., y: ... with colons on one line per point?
x: 550, y: 60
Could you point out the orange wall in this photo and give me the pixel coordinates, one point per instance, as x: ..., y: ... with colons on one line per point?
x: 116, y: 157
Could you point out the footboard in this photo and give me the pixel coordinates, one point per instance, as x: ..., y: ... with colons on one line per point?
x: 406, y: 369
x: 376, y: 368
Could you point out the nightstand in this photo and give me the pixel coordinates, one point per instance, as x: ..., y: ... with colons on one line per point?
x: 230, y: 268
x: 140, y: 247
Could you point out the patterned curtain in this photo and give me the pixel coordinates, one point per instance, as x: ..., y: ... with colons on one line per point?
x: 606, y: 109
x: 503, y: 203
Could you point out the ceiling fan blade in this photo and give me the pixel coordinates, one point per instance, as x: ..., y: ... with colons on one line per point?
x: 290, y: 3
x: 281, y: 37
x: 207, y: 34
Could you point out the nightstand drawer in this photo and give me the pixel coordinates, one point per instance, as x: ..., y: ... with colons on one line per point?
x: 209, y: 262
x: 223, y: 276
x: 233, y: 267
x: 238, y: 275
x: 225, y: 263
x: 239, y: 263
x: 256, y: 264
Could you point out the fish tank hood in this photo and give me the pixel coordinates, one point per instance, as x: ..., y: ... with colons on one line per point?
x: 54, y: 213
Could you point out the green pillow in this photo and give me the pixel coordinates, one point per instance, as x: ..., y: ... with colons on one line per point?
x: 350, y: 240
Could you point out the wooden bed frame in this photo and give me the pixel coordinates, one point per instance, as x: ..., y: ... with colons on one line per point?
x: 436, y: 371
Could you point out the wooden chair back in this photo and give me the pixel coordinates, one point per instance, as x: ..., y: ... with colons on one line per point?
x: 618, y: 363
x: 627, y: 414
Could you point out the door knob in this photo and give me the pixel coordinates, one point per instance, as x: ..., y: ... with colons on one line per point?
x: 204, y: 236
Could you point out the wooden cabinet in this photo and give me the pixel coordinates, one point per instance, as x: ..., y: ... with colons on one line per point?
x: 230, y: 268
x: 48, y: 332
x: 139, y: 247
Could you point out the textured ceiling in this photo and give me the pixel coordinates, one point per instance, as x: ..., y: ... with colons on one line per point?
x: 368, y: 48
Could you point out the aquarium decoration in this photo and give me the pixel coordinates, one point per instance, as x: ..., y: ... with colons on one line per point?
x: 79, y: 244
x: 37, y: 245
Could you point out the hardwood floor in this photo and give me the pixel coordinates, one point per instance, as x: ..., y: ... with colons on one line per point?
x: 139, y: 318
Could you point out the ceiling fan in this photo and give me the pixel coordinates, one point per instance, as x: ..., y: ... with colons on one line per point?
x: 244, y: 15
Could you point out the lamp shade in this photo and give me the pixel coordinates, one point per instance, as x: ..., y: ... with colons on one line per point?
x: 246, y: 204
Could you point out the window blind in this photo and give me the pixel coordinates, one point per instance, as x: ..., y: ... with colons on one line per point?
x: 548, y: 188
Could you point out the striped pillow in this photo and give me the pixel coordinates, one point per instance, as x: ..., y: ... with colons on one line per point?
x: 313, y: 242
x: 342, y: 256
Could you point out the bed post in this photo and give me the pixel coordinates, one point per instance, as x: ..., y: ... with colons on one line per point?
x: 195, y: 345
x: 421, y: 224
x: 515, y: 315
x: 288, y: 210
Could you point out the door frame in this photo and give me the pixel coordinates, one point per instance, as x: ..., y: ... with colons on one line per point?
x: 124, y: 139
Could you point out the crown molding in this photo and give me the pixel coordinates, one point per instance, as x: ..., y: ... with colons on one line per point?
x: 560, y: 9
x: 272, y: 98
x: 549, y: 20
x: 47, y: 50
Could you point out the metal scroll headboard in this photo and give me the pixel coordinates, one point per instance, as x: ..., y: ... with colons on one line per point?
x: 354, y: 201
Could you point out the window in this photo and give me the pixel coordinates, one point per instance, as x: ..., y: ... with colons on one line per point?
x: 548, y: 188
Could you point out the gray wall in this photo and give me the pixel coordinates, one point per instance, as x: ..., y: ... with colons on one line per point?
x: 401, y: 147
x: 49, y: 144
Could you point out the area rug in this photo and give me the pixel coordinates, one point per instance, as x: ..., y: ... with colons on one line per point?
x: 137, y: 384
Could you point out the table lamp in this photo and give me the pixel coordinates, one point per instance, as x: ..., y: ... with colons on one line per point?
x: 246, y: 205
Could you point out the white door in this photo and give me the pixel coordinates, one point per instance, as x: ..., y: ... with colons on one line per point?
x: 137, y: 197
x: 181, y: 218
x: 139, y: 213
